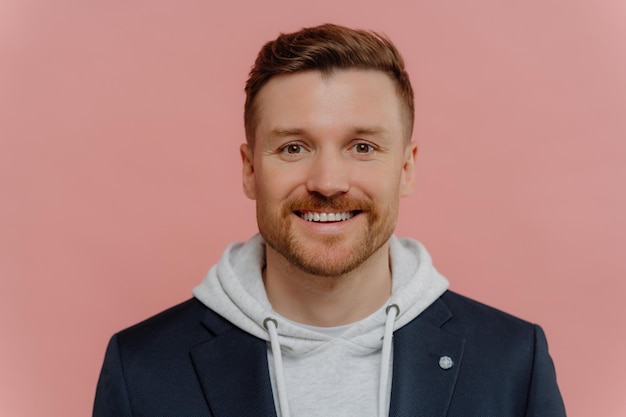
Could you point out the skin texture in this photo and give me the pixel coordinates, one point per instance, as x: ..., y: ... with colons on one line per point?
x: 328, y: 144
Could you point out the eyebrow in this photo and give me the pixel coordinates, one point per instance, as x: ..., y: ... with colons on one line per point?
x: 376, y: 130
x: 286, y: 132
x: 281, y: 133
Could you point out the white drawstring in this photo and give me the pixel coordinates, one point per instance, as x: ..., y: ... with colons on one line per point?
x: 271, y: 325
x: 385, y: 361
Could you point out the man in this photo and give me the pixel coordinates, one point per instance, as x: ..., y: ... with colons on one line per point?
x: 326, y: 312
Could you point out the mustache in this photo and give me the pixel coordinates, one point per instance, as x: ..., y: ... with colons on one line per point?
x: 319, y: 202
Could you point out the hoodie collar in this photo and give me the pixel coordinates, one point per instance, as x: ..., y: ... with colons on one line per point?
x: 234, y: 289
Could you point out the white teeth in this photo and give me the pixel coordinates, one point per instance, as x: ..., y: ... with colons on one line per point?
x: 326, y: 217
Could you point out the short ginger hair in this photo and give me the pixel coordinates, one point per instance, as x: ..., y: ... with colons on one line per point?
x: 326, y: 48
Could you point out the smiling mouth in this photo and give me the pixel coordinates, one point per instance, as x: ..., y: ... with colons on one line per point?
x: 323, y: 217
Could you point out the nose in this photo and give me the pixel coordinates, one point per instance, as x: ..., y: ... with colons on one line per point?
x: 328, y: 175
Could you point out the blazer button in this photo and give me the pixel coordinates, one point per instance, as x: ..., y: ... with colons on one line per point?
x: 446, y: 362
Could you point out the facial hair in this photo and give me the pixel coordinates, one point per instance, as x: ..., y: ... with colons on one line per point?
x: 328, y: 256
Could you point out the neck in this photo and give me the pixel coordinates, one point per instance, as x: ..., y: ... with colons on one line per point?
x: 327, y: 301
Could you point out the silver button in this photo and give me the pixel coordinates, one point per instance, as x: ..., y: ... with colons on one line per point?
x: 446, y: 362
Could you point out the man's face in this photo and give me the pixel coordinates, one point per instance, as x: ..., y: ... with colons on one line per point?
x: 328, y: 167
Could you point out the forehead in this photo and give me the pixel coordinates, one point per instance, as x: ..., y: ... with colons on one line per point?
x: 350, y: 99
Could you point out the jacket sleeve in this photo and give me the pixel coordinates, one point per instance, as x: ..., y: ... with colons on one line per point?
x: 111, y: 393
x: 544, y: 397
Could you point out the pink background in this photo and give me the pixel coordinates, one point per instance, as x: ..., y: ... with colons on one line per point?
x: 120, y: 177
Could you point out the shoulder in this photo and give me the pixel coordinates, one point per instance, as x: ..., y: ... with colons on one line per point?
x: 470, y: 312
x: 507, y: 357
x: 149, y: 365
x: 185, y: 324
x: 188, y: 312
x: 486, y: 332
x: 460, y: 303
x: 490, y: 335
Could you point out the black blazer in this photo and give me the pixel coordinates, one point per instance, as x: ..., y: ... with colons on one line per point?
x: 188, y: 361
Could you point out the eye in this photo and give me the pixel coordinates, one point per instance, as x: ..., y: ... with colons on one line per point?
x: 363, y: 148
x: 293, y: 149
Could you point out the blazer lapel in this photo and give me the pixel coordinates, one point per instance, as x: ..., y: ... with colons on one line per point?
x: 426, y: 364
x: 233, y: 372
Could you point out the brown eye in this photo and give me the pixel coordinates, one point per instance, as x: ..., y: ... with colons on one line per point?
x: 363, y: 148
x: 293, y: 149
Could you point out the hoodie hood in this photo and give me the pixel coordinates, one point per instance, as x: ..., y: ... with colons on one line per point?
x: 234, y: 289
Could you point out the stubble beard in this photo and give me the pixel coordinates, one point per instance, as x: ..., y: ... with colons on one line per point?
x: 327, y: 256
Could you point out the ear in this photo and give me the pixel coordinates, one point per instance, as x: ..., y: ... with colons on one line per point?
x: 407, y: 181
x: 247, y: 172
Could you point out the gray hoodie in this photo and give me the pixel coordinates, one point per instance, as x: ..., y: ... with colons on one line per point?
x: 342, y: 371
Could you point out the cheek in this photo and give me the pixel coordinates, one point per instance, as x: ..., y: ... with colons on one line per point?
x: 380, y: 183
x: 275, y: 185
